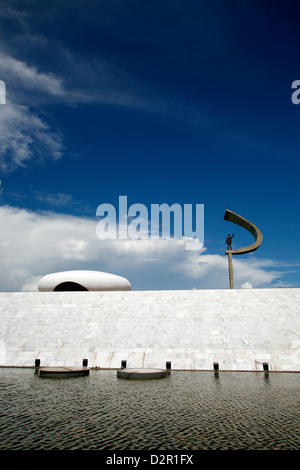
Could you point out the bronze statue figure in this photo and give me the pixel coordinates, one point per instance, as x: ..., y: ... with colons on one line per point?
x: 228, y: 241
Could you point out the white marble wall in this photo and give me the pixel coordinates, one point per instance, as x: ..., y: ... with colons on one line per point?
x: 240, y: 329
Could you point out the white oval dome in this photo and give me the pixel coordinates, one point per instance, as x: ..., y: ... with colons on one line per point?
x: 82, y: 280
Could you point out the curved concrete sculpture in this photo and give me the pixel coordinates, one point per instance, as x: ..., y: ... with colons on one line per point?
x: 237, y: 219
x: 82, y: 281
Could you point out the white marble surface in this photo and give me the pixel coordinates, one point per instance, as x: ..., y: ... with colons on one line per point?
x: 240, y: 329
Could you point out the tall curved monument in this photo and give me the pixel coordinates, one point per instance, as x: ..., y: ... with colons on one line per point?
x: 242, y: 222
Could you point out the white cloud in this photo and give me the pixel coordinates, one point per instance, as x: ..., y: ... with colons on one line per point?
x: 8, y: 12
x: 246, y: 285
x: 19, y: 73
x: 24, y: 136
x: 34, y: 244
x: 26, y: 133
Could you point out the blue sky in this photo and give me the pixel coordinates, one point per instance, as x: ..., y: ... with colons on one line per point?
x: 178, y: 101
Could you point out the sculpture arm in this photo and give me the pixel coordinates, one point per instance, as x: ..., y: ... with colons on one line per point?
x: 237, y: 219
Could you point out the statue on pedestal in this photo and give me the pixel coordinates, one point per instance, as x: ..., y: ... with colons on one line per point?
x: 228, y: 241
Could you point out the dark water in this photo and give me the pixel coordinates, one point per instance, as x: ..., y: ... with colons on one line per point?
x: 187, y: 410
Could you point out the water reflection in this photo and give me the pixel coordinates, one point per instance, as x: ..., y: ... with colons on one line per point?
x: 186, y: 410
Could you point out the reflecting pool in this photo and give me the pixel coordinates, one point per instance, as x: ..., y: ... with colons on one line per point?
x: 186, y: 410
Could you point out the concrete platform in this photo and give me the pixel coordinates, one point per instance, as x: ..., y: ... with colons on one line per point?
x: 142, y: 373
x: 51, y: 372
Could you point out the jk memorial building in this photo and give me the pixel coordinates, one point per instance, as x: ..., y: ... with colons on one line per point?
x: 96, y: 316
